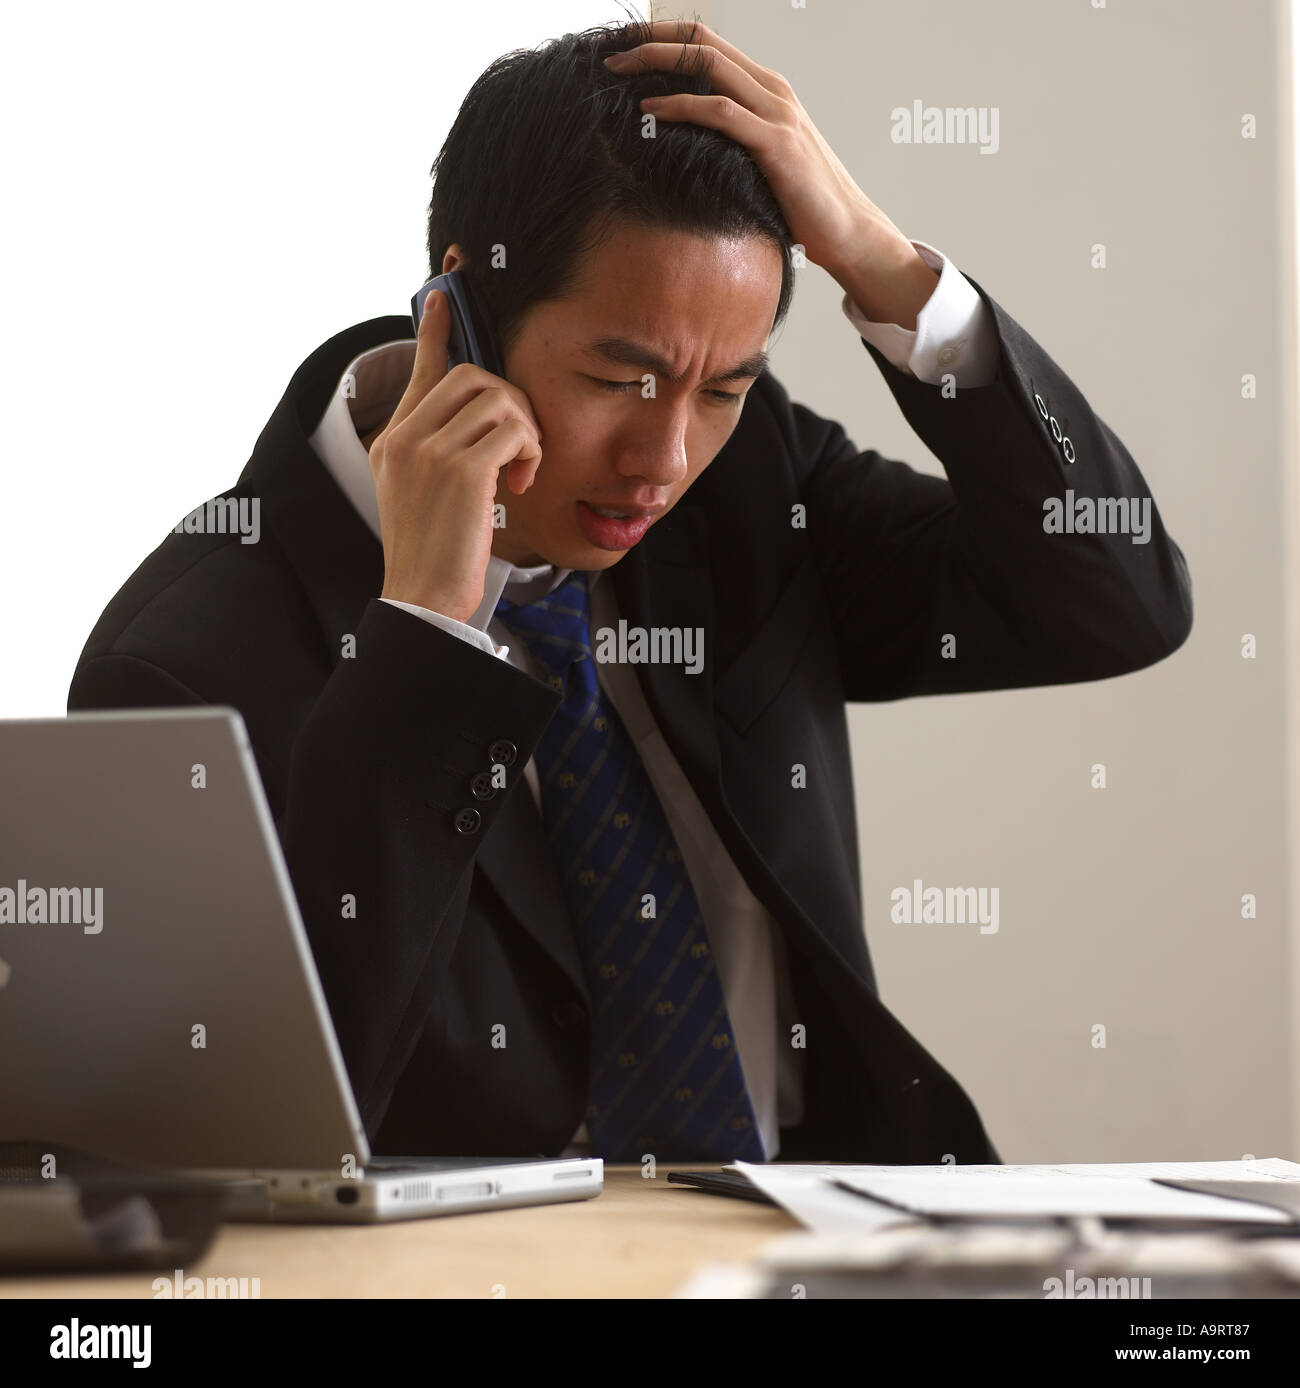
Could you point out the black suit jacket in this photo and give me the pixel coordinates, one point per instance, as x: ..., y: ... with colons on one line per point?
x: 368, y: 759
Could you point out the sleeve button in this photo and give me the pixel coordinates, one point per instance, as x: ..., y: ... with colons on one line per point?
x: 482, y: 787
x: 503, y: 751
x: 468, y: 821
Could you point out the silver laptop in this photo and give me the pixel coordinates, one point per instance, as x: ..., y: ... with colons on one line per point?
x: 158, y: 997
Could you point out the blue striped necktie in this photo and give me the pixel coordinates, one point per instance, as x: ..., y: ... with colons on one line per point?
x: 665, y: 1075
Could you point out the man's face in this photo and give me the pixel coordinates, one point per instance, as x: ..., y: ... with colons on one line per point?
x: 664, y: 303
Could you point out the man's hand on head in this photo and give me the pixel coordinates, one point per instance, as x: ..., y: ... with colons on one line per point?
x: 835, y: 222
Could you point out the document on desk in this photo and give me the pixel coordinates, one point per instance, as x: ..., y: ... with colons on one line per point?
x: 806, y: 1193
x: 1100, y: 1190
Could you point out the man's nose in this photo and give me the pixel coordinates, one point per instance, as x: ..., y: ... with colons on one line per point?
x: 654, y: 449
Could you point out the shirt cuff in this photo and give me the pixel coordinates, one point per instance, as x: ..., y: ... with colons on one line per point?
x: 955, y: 333
x: 473, y: 635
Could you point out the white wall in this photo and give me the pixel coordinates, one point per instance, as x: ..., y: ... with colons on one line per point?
x: 1287, y: 67
x: 1120, y: 907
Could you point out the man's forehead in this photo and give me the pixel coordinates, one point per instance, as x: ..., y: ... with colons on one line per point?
x: 654, y: 299
x: 670, y: 262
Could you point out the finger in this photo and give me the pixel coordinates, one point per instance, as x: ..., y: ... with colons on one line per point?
x: 511, y: 446
x: 454, y: 394
x: 485, y: 412
x: 720, y: 113
x: 725, y: 74
x: 521, y: 474
x: 430, y: 357
x: 678, y: 30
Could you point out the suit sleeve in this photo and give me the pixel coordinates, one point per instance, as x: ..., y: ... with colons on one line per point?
x: 943, y: 585
x: 378, y: 778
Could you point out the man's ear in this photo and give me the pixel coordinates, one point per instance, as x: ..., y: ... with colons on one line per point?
x: 454, y: 259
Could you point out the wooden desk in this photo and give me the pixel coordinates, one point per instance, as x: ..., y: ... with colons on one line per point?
x: 638, y: 1238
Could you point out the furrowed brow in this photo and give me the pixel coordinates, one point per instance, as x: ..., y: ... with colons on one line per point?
x: 625, y: 352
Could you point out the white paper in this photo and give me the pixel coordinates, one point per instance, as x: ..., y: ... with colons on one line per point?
x: 1056, y: 1194
x: 1259, y: 1169
x: 806, y: 1192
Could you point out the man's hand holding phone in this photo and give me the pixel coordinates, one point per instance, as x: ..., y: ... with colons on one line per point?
x: 435, y: 465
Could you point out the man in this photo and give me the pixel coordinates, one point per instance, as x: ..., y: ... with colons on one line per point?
x: 637, y: 577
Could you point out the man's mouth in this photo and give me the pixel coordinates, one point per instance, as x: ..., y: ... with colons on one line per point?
x: 625, y: 513
x: 611, y: 527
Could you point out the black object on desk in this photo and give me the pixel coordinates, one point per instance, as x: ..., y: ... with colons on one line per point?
x: 63, y: 1209
x: 721, y: 1183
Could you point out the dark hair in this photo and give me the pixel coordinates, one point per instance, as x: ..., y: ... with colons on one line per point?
x: 547, y: 152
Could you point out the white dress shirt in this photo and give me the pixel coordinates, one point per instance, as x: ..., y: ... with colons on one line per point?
x: 954, y: 333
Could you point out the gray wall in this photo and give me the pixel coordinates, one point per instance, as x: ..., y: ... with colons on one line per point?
x: 1122, y: 906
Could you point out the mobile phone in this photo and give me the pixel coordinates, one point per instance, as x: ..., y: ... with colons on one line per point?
x: 470, y: 337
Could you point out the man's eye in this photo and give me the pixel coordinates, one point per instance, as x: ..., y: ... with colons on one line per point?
x: 725, y: 397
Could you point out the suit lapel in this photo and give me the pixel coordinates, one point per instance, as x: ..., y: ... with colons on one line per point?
x: 516, y: 859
